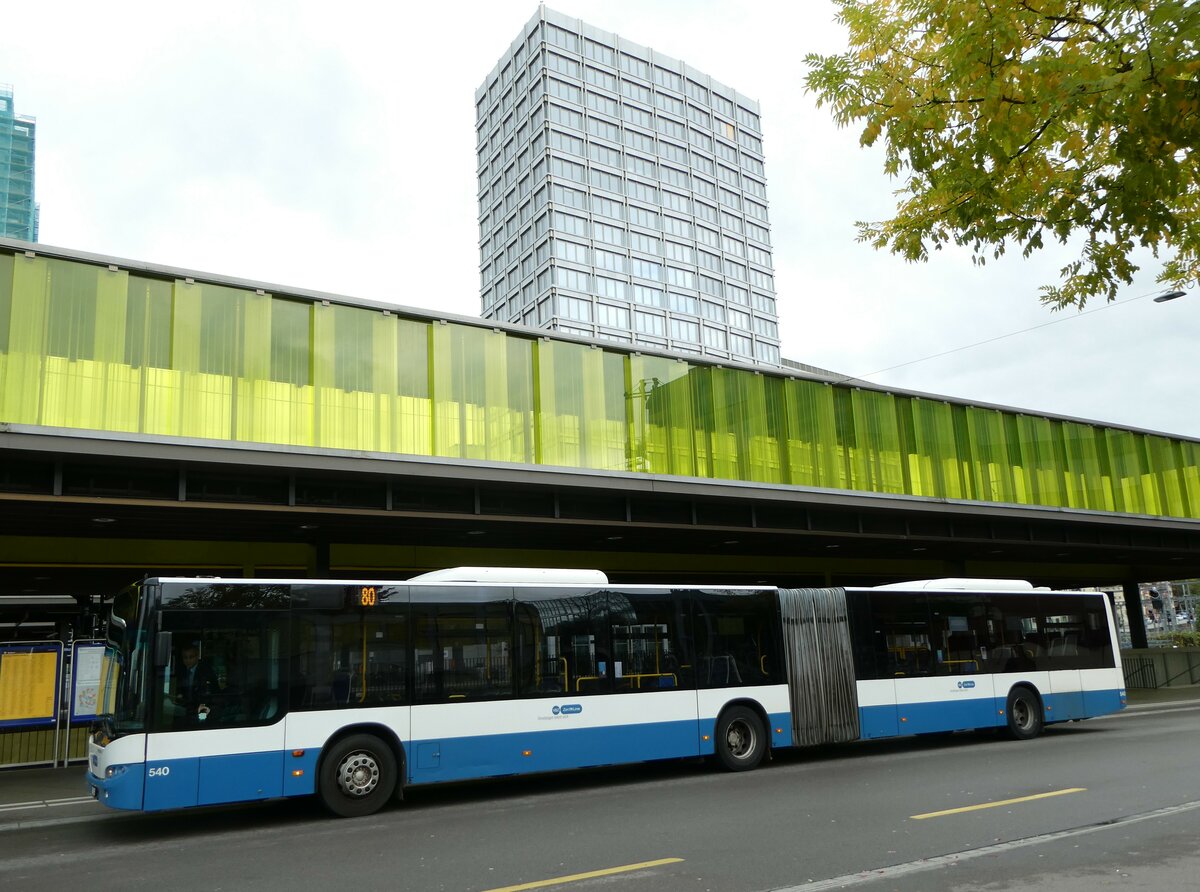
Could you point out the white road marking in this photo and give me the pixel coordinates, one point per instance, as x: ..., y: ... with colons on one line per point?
x: 896, y: 870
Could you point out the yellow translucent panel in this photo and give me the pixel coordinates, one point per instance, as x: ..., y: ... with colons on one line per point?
x: 936, y: 465
x: 660, y: 395
x: 88, y: 347
x: 874, y: 453
x: 482, y: 394
x: 582, y: 412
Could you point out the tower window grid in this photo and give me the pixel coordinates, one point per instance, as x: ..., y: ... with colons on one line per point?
x: 604, y: 119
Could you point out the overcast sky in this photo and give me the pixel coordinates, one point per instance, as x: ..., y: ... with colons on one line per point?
x: 332, y: 147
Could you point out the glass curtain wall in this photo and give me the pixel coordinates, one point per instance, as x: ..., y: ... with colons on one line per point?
x: 91, y: 347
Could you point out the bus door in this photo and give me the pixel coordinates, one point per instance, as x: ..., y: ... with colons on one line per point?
x: 463, y: 659
x: 216, y: 726
x: 1065, y: 631
x: 961, y: 630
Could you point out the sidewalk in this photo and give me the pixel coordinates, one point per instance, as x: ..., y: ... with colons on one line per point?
x: 1138, y: 697
x: 33, y: 797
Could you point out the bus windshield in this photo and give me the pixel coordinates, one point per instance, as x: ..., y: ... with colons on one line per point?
x: 122, y: 706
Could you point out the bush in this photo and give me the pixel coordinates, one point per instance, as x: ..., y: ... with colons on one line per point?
x: 1184, y: 639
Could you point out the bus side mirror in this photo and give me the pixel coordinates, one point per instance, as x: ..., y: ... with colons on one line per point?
x: 162, y: 649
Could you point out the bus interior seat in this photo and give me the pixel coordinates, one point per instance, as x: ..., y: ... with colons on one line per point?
x: 721, y: 669
x: 1065, y: 646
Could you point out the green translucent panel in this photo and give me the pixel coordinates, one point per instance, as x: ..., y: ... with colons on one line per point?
x: 1039, y: 481
x: 582, y: 413
x: 25, y: 366
x: 659, y: 391
x: 355, y: 377
x: 482, y: 394
x: 813, y: 450
x: 6, y: 287
x: 148, y: 323
x: 413, y: 420
x: 84, y: 382
x: 934, y: 462
x: 874, y: 458
x: 1086, y: 481
x: 85, y: 346
x: 734, y: 439
x: 291, y: 342
x: 1189, y: 474
x: 991, y: 473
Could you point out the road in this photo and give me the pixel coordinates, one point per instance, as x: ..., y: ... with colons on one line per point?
x: 1093, y: 805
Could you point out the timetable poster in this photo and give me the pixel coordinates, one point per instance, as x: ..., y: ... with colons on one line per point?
x: 29, y: 684
x: 86, y: 664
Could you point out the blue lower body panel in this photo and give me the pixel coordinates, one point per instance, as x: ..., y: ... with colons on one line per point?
x: 964, y: 715
x: 211, y: 780
x: 240, y: 778
x: 463, y: 758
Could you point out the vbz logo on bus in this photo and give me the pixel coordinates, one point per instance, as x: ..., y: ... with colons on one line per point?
x: 966, y: 685
x: 568, y: 709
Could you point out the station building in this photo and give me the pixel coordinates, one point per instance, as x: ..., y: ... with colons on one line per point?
x: 155, y: 420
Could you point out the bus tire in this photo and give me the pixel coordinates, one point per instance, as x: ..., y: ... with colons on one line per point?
x: 357, y: 776
x: 741, y: 740
x: 1024, y: 713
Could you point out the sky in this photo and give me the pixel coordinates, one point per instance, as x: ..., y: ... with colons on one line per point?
x: 332, y: 147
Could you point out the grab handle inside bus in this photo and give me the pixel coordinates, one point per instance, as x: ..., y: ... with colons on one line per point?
x: 162, y: 649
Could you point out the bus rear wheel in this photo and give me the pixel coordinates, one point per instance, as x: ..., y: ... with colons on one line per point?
x: 741, y: 740
x: 358, y: 775
x: 1024, y: 713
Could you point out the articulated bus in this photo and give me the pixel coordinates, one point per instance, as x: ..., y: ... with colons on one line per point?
x: 232, y: 690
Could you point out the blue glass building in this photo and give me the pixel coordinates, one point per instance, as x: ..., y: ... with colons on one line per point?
x: 18, y: 210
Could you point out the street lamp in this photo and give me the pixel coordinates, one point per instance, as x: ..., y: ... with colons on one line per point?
x: 1170, y: 295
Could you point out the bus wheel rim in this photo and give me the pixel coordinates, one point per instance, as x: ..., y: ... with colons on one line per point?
x: 740, y: 739
x: 358, y: 775
x: 1021, y: 713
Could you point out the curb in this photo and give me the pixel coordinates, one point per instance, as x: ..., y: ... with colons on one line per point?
x: 1165, y: 704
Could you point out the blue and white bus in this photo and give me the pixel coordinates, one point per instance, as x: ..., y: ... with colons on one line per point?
x: 231, y: 690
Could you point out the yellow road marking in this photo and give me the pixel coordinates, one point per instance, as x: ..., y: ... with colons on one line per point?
x: 958, y: 811
x: 575, y: 877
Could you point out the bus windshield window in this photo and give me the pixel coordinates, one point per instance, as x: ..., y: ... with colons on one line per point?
x: 226, y: 667
x: 122, y: 669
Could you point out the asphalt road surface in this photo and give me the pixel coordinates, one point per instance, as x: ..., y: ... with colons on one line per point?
x: 1110, y: 803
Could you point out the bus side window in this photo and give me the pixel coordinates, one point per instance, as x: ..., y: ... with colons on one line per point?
x: 563, y: 642
x: 651, y: 642
x: 735, y: 640
x: 351, y: 654
x: 463, y: 643
x: 903, y: 621
x: 960, y: 628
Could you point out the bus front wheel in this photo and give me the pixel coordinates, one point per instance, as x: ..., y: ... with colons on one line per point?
x: 740, y: 740
x: 1024, y: 714
x: 358, y: 775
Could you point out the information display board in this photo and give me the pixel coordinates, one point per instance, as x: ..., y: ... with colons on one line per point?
x: 29, y: 683
x: 87, y: 660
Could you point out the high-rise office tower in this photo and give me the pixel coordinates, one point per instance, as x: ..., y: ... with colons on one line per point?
x: 622, y: 196
x: 18, y: 212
